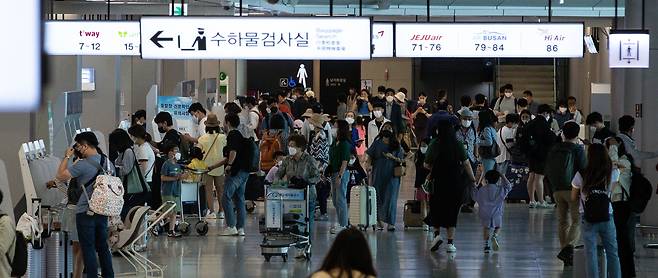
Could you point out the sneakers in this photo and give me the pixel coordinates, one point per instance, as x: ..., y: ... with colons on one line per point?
x: 221, y: 215
x: 230, y: 231
x: 566, y: 255
x: 336, y: 229
x: 494, y: 242
x: 211, y: 215
x: 391, y: 228
x: 532, y: 204
x: 322, y: 217
x: 436, y: 243
x: 241, y: 232
x: 301, y: 253
x: 545, y: 205
x: 451, y: 248
x: 426, y: 227
x: 487, y: 249
x: 173, y: 234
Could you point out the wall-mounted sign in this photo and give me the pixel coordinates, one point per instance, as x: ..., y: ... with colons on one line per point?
x: 92, y: 38
x: 629, y: 50
x: 382, y: 40
x: 255, y: 38
x: 87, y: 79
x: 505, y: 40
x: 178, y: 9
x: 20, y: 54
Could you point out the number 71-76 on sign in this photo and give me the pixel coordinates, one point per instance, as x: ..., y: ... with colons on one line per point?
x: 426, y: 47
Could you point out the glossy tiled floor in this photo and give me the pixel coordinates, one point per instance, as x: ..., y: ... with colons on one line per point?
x: 529, y: 244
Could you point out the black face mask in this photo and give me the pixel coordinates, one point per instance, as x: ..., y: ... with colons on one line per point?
x: 161, y: 129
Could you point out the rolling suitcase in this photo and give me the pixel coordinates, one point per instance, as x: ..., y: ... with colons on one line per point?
x: 579, y: 264
x: 363, y: 207
x: 413, y: 214
x: 59, y: 255
x: 518, y: 174
x: 36, y: 262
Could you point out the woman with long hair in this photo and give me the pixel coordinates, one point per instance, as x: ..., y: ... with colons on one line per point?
x: 487, y: 135
x: 339, y: 157
x: 348, y: 257
x: 597, y: 177
x: 126, y: 162
x: 384, y: 155
x: 450, y: 172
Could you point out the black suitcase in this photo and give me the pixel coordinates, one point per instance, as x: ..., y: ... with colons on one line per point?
x: 517, y: 174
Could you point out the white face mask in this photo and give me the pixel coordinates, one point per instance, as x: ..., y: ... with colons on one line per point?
x: 268, y: 110
x: 390, y: 98
x: 548, y: 117
x: 467, y: 123
x: 562, y: 109
x: 177, y: 156
x: 377, y: 113
x: 349, y: 120
x: 525, y: 121
x: 508, y: 95
x: 423, y: 150
x: 352, y: 160
x: 292, y: 151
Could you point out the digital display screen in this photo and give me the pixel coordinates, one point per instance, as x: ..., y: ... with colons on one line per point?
x: 92, y: 38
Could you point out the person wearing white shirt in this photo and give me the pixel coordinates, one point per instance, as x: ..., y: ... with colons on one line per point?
x: 199, y: 114
x: 253, y: 117
x: 595, y: 182
x: 505, y: 139
x: 375, y: 126
x: 143, y: 153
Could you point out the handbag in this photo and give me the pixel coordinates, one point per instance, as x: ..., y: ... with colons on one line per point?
x: 107, y: 198
x: 134, y: 181
x: 489, y: 152
x: 428, y: 185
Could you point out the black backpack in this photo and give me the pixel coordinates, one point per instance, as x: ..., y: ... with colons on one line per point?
x: 251, y: 148
x: 640, y: 192
x: 74, y: 191
x: 597, y: 205
x: 19, y: 261
x: 561, y: 166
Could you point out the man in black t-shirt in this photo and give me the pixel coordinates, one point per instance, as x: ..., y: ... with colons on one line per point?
x: 236, y: 167
x: 601, y: 132
x: 166, y: 125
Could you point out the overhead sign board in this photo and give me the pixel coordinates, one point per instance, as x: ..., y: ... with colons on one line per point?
x: 92, y: 38
x: 382, y: 40
x: 629, y: 50
x: 504, y: 40
x: 255, y: 38
x: 20, y: 53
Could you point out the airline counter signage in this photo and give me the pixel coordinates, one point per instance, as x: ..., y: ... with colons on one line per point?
x: 382, y: 39
x: 92, y: 38
x: 504, y: 40
x: 256, y: 38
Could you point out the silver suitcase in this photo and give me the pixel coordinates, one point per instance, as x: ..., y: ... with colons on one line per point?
x: 36, y: 262
x: 579, y: 264
x: 59, y: 255
x: 363, y: 207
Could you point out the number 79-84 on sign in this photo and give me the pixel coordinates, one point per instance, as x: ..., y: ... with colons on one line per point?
x: 429, y: 46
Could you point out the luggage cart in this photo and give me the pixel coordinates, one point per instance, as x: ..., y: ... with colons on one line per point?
x: 190, y: 193
x: 286, y: 222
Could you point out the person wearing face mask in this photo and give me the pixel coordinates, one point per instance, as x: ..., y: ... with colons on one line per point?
x: 144, y: 154
x: 92, y: 229
x: 506, y: 103
x: 139, y: 118
x: 319, y: 150
x: 536, y: 144
x: 565, y: 159
x: 199, y: 114
x: 379, y: 98
x: 598, y: 131
x: 576, y: 115
x: 362, y: 104
x: 171, y: 176
x: 393, y: 110
x: 272, y: 173
x: 350, y: 119
x: 358, y: 175
x: 487, y: 139
x: 212, y: 143
x: 360, y: 128
x: 467, y: 135
x: 421, y: 176
x: 533, y: 105
x: 166, y: 125
x: 374, y: 126
x: 623, y: 215
x: 626, y: 128
x: 384, y: 154
x: 137, y: 191
x: 562, y: 115
x: 339, y: 157
x: 420, y: 117
x: 505, y: 139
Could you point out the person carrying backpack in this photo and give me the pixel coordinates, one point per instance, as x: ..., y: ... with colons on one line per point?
x: 563, y: 162
x: 592, y: 187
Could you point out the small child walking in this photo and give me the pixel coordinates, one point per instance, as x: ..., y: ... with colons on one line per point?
x: 491, y: 201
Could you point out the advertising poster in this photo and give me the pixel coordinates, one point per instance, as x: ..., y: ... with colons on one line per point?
x: 177, y: 107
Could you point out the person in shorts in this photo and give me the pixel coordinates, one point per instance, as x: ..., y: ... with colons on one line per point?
x: 171, y: 176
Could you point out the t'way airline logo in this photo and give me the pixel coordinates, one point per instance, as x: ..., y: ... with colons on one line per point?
x: 94, y: 34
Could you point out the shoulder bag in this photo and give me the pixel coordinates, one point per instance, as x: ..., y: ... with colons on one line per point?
x: 134, y: 181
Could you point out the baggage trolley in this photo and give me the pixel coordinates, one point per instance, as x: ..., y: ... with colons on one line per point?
x: 286, y: 222
x: 190, y: 193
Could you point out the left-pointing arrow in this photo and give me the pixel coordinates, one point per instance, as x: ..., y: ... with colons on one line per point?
x: 156, y: 39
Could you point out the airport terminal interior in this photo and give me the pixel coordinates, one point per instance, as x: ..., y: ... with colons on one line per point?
x: 329, y: 138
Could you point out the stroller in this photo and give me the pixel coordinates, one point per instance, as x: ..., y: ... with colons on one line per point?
x: 286, y: 222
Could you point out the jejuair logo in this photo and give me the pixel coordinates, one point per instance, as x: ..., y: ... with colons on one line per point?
x: 490, y: 36
x: 123, y: 34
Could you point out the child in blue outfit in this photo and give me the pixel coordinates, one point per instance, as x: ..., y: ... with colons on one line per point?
x: 171, y: 176
x: 491, y: 201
